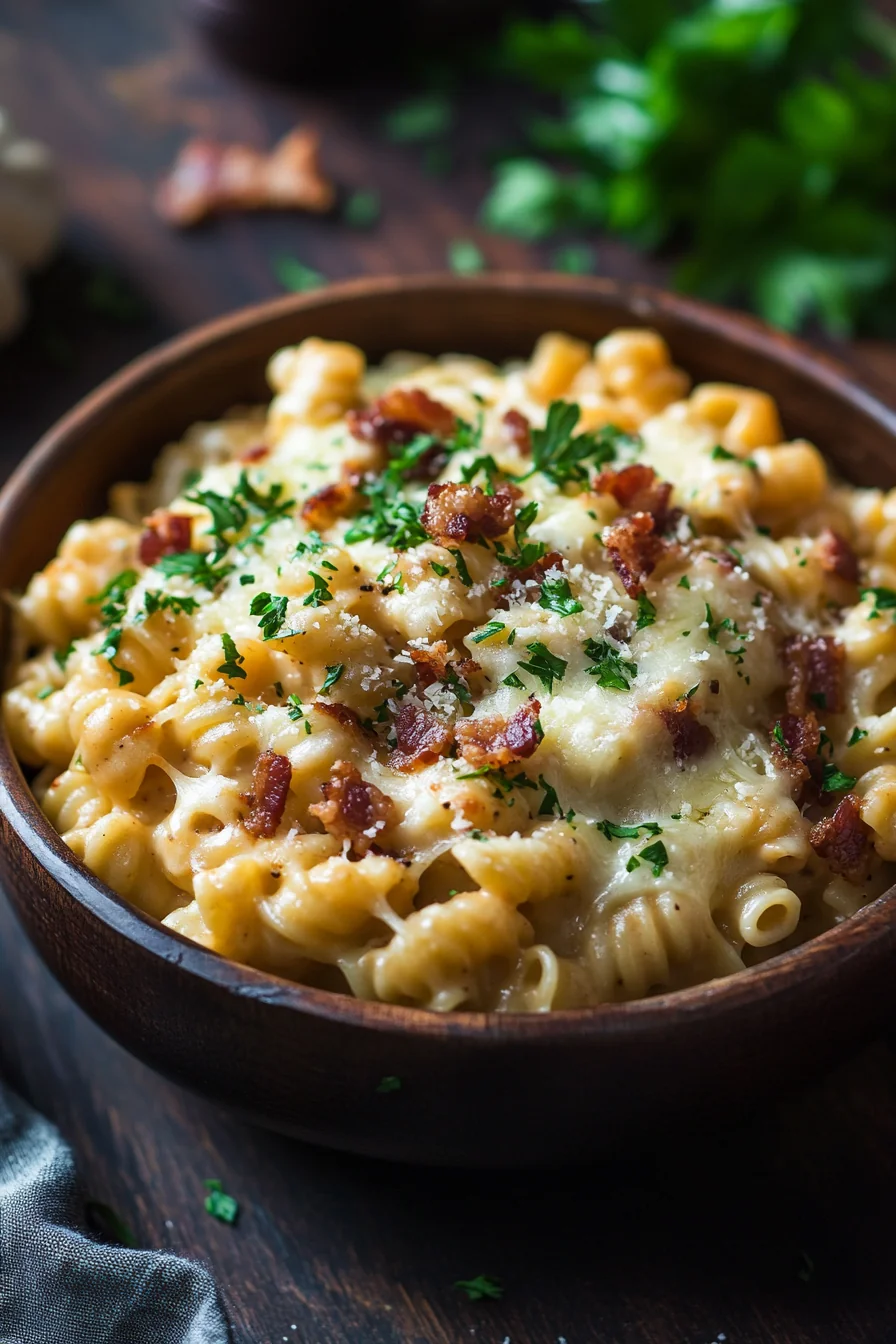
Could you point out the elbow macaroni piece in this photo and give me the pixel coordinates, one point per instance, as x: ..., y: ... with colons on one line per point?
x: 255, y: 740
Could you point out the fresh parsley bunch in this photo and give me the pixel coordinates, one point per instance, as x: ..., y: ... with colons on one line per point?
x: 760, y: 135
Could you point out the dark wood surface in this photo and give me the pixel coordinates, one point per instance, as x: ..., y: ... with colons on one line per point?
x: 778, y: 1229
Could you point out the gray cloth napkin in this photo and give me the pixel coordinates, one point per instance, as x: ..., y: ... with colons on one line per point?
x: 57, y: 1285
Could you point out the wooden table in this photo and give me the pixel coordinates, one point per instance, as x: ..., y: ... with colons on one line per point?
x: 774, y: 1229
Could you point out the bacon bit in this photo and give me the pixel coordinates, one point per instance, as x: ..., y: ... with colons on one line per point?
x: 497, y: 741
x: 714, y: 686
x: 814, y: 666
x: 434, y: 664
x: 256, y: 454
x: 844, y: 840
x: 456, y: 512
x: 836, y: 556
x: 336, y: 500
x: 635, y: 548
x: 689, y: 736
x: 421, y: 739
x: 399, y: 415
x: 637, y: 489
x: 799, y: 754
x: 352, y: 807
x: 344, y: 715
x: 270, y: 789
x: 166, y: 534
x: 210, y: 178
x: 518, y: 431
x: 532, y: 577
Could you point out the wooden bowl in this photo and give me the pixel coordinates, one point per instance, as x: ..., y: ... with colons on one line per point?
x: 475, y: 1088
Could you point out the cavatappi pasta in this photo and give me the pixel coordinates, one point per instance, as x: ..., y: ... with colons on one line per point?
x: 466, y: 687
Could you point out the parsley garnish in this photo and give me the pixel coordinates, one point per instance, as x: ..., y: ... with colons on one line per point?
x: 856, y: 736
x: 609, y: 666
x: 441, y: 570
x: 295, y: 711
x: 272, y: 610
x: 655, y: 854
x: 480, y: 1288
x: 778, y: 735
x: 462, y: 572
x: 334, y: 672
x: 561, y: 454
x: 220, y: 1205
x: 389, y: 1084
x: 155, y: 600
x: 720, y: 454
x: 613, y: 831
x: 109, y: 650
x: 199, y: 566
x: 834, y: 780
x: 493, y: 628
x: 113, y: 600
x: 684, y: 581
x: 312, y: 545
x: 646, y: 612
x: 294, y: 275
x: 544, y: 665
x: 232, y: 659
x: 45, y: 692
x: 513, y: 680
x: 884, y: 600
x: 61, y: 656
x: 319, y: 594
x: 556, y: 596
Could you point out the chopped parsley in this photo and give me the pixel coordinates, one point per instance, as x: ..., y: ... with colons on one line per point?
x: 155, y: 600
x: 561, y: 454
x: 556, y: 596
x: 295, y: 710
x: 609, y: 667
x: 613, y: 831
x: 656, y: 855
x: 109, y: 650
x: 441, y: 570
x: 856, y: 736
x: 778, y: 735
x: 544, y: 665
x: 884, y: 599
x: 720, y: 454
x: 834, y: 780
x: 220, y: 1205
x: 646, y: 612
x: 113, y: 599
x: 462, y: 572
x: 389, y: 1084
x: 232, y: 659
x: 61, y: 656
x: 334, y: 672
x: 487, y: 631
x: 319, y: 594
x: 272, y: 610
x: 550, y: 804
x: 201, y: 567
x: 312, y: 545
x: 481, y: 1288
x: 513, y: 680
x: 45, y: 692
x: 684, y: 581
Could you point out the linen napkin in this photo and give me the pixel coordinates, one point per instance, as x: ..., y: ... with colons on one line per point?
x: 57, y: 1284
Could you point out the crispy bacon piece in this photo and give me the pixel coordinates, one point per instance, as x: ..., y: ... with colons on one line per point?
x: 336, y: 500
x: 844, y: 840
x: 532, y: 576
x: 210, y: 178
x: 256, y: 454
x: 497, y: 741
x: 689, y: 736
x: 433, y: 664
x: 352, y: 809
x: 399, y: 415
x: 270, y: 790
x: 456, y: 512
x: 518, y: 431
x: 836, y: 556
x: 635, y: 548
x: 344, y: 715
x: 420, y: 739
x: 814, y: 666
x: 166, y: 534
x: 637, y: 489
x: 798, y: 755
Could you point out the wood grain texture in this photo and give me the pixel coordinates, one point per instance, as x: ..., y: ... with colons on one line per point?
x: 669, y: 1251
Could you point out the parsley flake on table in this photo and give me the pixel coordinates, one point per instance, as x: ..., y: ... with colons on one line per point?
x: 294, y: 275
x: 481, y: 1288
x: 219, y: 1204
x: 388, y: 1084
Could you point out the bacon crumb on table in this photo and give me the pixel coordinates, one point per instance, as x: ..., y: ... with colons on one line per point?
x: 689, y: 736
x: 497, y: 741
x: 352, y: 808
x: 211, y: 178
x: 399, y: 416
x: 457, y: 512
x: 844, y: 840
x: 814, y: 667
x: 165, y: 534
x: 270, y: 790
x: 420, y: 739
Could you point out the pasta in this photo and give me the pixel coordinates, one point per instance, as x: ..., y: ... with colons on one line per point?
x: 465, y: 687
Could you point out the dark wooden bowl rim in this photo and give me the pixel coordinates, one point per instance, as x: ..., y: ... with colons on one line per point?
x: 713, y: 998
